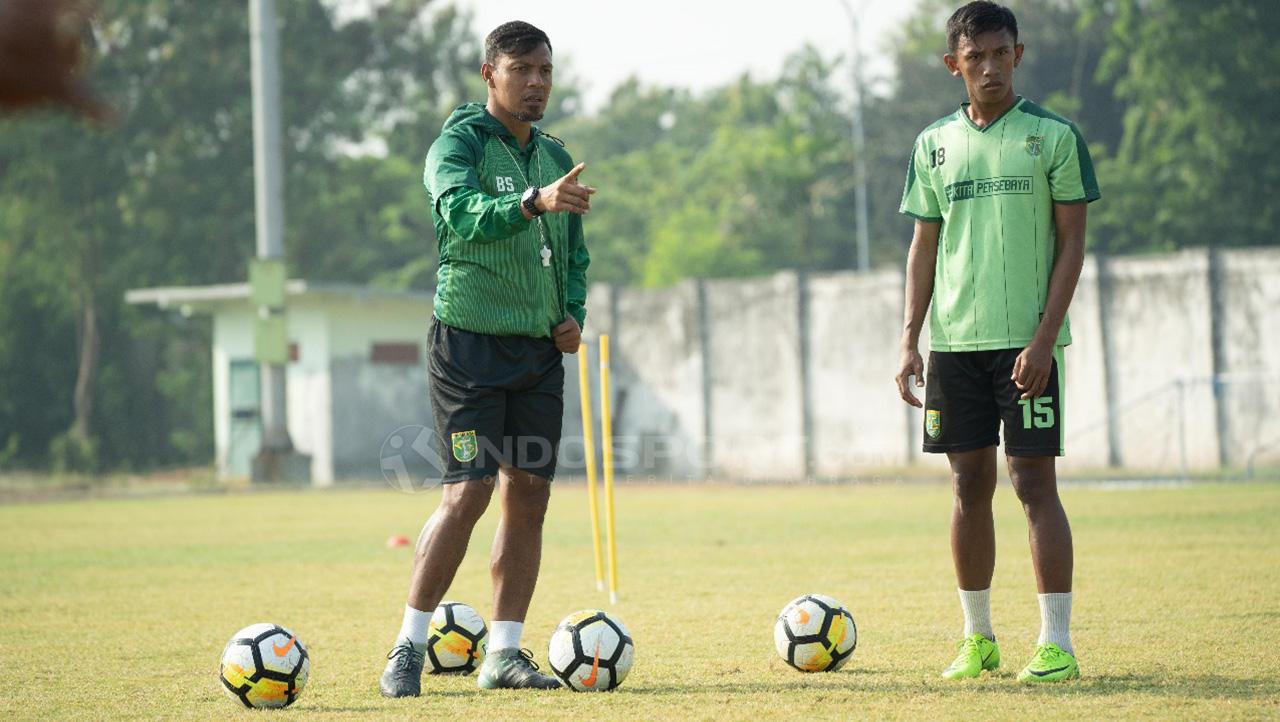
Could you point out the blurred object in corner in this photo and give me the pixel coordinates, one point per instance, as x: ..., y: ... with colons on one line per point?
x: 41, y: 55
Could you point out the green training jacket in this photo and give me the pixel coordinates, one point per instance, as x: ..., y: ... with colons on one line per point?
x: 491, y: 278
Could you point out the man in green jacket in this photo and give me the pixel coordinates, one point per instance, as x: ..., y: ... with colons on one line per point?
x: 510, y: 300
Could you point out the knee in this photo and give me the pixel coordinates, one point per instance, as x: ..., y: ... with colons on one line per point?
x: 526, y: 500
x: 531, y: 509
x: 972, y: 490
x: 466, y: 501
x: 1034, y: 490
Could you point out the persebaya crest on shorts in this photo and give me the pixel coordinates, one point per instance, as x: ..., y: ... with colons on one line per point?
x: 465, y: 447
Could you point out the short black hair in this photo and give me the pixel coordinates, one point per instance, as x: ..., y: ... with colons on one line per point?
x: 514, y: 38
x: 977, y: 18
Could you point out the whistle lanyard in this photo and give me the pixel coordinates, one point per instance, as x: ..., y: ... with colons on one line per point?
x: 545, y: 251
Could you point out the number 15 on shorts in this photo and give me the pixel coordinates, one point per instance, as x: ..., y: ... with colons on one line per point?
x: 1037, y: 413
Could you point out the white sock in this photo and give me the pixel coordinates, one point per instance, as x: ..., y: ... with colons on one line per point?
x: 1055, y: 620
x: 505, y: 635
x: 977, y: 612
x: 414, y: 626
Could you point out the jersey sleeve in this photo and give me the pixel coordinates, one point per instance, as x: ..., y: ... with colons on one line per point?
x: 579, y: 260
x: 451, y: 163
x: 476, y: 217
x: 918, y: 197
x: 1071, y: 177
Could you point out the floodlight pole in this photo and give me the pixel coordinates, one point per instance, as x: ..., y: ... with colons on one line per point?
x: 269, y: 210
x: 859, y: 143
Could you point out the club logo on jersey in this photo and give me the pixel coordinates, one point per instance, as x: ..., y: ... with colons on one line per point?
x: 1034, y: 144
x: 506, y: 184
x: 933, y: 423
x: 465, y: 447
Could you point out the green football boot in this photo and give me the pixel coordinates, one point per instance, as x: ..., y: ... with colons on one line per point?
x: 977, y: 653
x: 1050, y: 664
x: 513, y: 669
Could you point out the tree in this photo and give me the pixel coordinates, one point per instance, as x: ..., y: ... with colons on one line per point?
x: 1199, y: 161
x: 748, y: 178
x: 166, y: 197
x: 1064, y: 48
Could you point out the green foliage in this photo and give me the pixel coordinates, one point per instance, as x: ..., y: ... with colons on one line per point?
x: 69, y: 453
x: 164, y: 196
x: 753, y: 176
x: 1200, y: 158
x: 1176, y: 98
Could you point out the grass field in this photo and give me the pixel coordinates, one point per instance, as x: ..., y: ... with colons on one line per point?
x: 119, y: 608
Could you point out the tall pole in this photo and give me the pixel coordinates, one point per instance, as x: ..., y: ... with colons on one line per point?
x: 859, y: 143
x: 268, y: 206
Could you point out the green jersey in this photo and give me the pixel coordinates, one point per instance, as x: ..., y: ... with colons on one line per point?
x: 495, y: 276
x: 993, y: 191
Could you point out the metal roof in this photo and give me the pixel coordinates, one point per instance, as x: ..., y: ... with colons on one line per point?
x: 207, y: 297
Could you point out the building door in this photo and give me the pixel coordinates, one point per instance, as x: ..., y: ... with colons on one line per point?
x: 245, y: 435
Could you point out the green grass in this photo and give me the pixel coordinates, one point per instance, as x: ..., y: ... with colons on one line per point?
x: 120, y: 608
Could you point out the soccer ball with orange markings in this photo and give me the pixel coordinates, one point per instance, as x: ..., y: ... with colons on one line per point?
x: 455, y: 639
x: 815, y: 633
x: 264, y: 665
x: 591, y: 651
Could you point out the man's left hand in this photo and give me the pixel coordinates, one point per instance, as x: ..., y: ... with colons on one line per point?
x: 567, y: 336
x: 1031, y: 369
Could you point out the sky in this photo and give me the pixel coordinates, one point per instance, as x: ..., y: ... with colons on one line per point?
x: 695, y: 44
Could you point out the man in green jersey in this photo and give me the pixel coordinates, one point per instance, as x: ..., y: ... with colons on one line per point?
x: 510, y: 300
x: 999, y: 191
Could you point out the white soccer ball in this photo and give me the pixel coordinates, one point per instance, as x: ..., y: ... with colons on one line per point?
x: 815, y: 633
x: 456, y: 639
x: 264, y: 665
x: 591, y: 651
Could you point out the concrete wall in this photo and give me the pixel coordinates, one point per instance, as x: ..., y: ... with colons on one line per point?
x: 788, y: 377
x: 1087, y: 433
x: 1175, y: 365
x: 754, y: 370
x: 658, y: 414
x: 1161, y: 313
x: 1251, y: 333
x: 854, y: 327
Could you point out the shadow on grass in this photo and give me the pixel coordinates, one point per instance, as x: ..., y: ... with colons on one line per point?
x: 1192, y: 687
x: 1204, y: 686
x: 885, y: 681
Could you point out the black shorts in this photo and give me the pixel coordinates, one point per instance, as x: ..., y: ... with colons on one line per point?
x: 968, y: 394
x: 497, y: 401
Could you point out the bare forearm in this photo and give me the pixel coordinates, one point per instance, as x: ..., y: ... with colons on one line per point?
x: 921, y: 261
x: 1062, y: 286
x: 1067, y: 263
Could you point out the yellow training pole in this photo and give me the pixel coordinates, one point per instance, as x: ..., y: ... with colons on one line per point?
x: 589, y: 451
x: 606, y: 441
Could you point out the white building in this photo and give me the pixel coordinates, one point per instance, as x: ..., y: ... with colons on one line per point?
x: 357, y: 371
